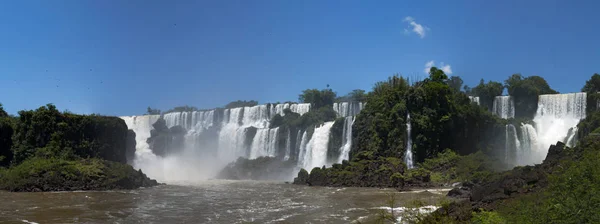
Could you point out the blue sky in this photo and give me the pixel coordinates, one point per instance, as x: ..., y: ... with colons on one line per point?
x: 119, y: 57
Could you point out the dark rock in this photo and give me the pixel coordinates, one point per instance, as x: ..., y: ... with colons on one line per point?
x: 302, y: 178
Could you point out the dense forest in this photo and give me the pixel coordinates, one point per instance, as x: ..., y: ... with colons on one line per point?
x: 454, y: 141
x: 46, y: 150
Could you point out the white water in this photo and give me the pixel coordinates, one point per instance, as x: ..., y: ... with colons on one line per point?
x: 264, y: 143
x: 408, y: 156
x: 346, y: 139
x: 504, y: 107
x: 513, y: 145
x: 345, y: 109
x: 474, y: 99
x: 164, y: 169
x: 288, y: 145
x: 316, y: 149
x: 202, y: 154
x: 556, y: 114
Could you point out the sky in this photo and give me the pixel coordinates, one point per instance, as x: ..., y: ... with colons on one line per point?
x: 119, y: 57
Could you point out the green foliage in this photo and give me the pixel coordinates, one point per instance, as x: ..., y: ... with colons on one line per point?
x: 68, y: 135
x: 6, y: 133
x: 185, y: 108
x: 53, y: 174
x: 440, y: 116
x: 241, y: 103
x: 487, y: 92
x: 487, y: 217
x: 357, y: 95
x: 455, y: 83
x: 525, y: 92
x: 2, y: 112
x: 593, y: 102
x: 380, y: 172
x: 151, y: 111
x: 318, y: 98
x: 592, y: 85
x: 588, y: 125
x: 437, y: 75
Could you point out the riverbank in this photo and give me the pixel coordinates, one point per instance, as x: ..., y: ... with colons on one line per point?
x: 39, y: 174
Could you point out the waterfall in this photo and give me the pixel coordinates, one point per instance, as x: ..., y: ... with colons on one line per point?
x: 345, y: 109
x: 528, y: 142
x: 302, y: 147
x: 316, y: 149
x: 474, y: 99
x: 504, y: 107
x: 346, y: 139
x: 556, y: 120
x: 513, y: 145
x: 264, y: 143
x: 408, y: 156
x: 141, y: 125
x: 288, y: 145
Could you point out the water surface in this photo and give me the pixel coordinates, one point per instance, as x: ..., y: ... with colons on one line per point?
x: 207, y: 202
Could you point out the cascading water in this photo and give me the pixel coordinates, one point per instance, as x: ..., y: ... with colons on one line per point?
x: 345, y: 109
x: 225, y: 130
x: 556, y: 114
x: 504, y: 107
x: 264, y: 143
x: 474, y: 99
x: 316, y: 148
x: 408, y: 156
x: 513, y: 145
x: 528, y: 142
x: 346, y: 139
x: 302, y: 152
x: 288, y: 145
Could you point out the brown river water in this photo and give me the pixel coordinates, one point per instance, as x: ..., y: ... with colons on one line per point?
x: 214, y: 201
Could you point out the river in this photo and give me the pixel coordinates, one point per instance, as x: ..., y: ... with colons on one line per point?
x: 215, y: 201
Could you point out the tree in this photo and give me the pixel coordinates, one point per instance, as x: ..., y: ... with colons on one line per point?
x: 317, y: 98
x: 455, y: 83
x: 357, y: 95
x: 437, y: 75
x: 2, y: 112
x: 487, y: 92
x: 151, y: 111
x: 525, y: 92
x: 592, y: 85
x: 241, y: 103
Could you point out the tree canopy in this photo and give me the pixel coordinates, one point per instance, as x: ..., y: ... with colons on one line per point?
x: 151, y: 111
x: 592, y: 85
x: 357, y: 95
x: 525, y: 92
x: 487, y: 92
x: 318, y: 98
x: 241, y: 103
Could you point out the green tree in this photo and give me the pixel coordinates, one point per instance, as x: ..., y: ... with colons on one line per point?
x: 2, y: 112
x: 525, y: 92
x: 455, y: 83
x: 241, y: 103
x: 592, y: 85
x: 437, y: 75
x: 6, y: 132
x: 487, y: 92
x: 151, y: 111
x: 357, y: 95
x: 318, y: 98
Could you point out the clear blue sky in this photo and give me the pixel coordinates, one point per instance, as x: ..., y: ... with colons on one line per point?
x: 118, y: 57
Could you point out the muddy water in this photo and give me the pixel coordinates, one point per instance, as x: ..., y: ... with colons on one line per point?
x: 208, y: 202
